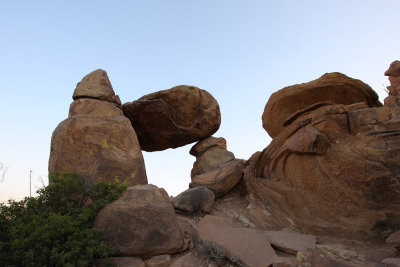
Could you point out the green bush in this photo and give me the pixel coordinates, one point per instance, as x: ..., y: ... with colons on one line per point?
x: 55, y: 228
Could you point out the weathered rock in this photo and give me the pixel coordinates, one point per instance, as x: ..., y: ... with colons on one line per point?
x: 220, y: 180
x: 96, y: 85
x: 394, y: 69
x: 203, y: 145
x: 97, y: 141
x: 121, y: 262
x: 394, y: 239
x: 159, y: 261
x: 287, y: 104
x: 285, y: 262
x: 332, y: 169
x: 189, y: 259
x: 240, y: 245
x: 392, y: 262
x: 290, y: 241
x: 173, y: 118
x: 88, y: 106
x: 141, y: 222
x: 210, y: 160
x: 194, y: 200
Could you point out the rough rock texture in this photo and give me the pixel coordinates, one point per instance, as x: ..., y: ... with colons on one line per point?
x: 97, y: 141
x: 394, y: 239
x: 332, y: 169
x: 393, y: 99
x: 96, y: 85
x: 290, y: 241
x: 239, y: 245
x: 210, y: 142
x: 194, y: 200
x: 159, y: 261
x: 189, y: 259
x: 121, y: 262
x: 141, y: 222
x: 174, y: 117
x: 210, y: 160
x: 392, y: 262
x: 220, y: 180
x: 287, y: 104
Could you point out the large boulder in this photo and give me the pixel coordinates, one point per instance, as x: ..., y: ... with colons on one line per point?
x: 97, y: 141
x: 174, y: 117
x: 194, y: 199
x: 142, y: 222
x: 287, y: 104
x: 334, y: 169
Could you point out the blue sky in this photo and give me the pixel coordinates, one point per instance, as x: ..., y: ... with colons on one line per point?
x: 240, y: 51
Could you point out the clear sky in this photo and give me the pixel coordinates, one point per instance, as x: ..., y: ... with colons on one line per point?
x: 239, y: 51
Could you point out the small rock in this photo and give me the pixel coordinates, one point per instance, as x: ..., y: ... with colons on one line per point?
x: 159, y: 261
x: 290, y: 241
x: 190, y: 259
x: 392, y: 261
x: 394, y: 239
x: 203, y: 145
x: 326, y: 255
x: 194, y: 200
x: 121, y: 262
x: 221, y: 180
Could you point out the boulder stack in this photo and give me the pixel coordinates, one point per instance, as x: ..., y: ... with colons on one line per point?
x: 97, y: 141
x: 174, y: 117
x: 215, y: 167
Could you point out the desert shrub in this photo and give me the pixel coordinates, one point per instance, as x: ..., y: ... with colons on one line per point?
x: 210, y: 251
x: 55, y: 228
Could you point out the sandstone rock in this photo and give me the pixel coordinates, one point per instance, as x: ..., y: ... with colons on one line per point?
x: 194, y: 200
x: 121, y: 262
x: 290, y: 241
x: 284, y: 262
x: 96, y: 85
x: 88, y: 106
x: 141, y: 222
x: 332, y: 169
x: 189, y: 259
x: 392, y: 262
x: 210, y: 160
x: 394, y: 69
x: 285, y: 105
x: 240, y: 245
x: 394, y: 239
x: 220, y: 180
x: 203, y: 145
x: 159, y: 261
x: 97, y: 141
x: 173, y: 118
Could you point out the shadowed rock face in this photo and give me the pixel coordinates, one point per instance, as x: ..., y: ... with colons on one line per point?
x: 97, y: 141
x: 334, y: 168
x: 287, y: 104
x: 174, y: 117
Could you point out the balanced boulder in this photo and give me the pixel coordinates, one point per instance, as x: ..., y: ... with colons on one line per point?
x: 142, y: 222
x: 287, y: 104
x: 174, y: 117
x: 97, y: 141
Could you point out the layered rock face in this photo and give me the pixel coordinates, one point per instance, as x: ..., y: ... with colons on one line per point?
x: 215, y: 167
x: 97, y: 141
x: 393, y: 73
x: 332, y: 167
x: 142, y: 222
x: 287, y: 104
x: 174, y: 117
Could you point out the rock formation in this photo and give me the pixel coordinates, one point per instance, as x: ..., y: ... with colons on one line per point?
x: 174, y: 117
x: 215, y: 167
x: 287, y: 104
x: 393, y: 100
x: 193, y: 200
x: 331, y: 167
x: 97, y: 141
x: 141, y: 222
